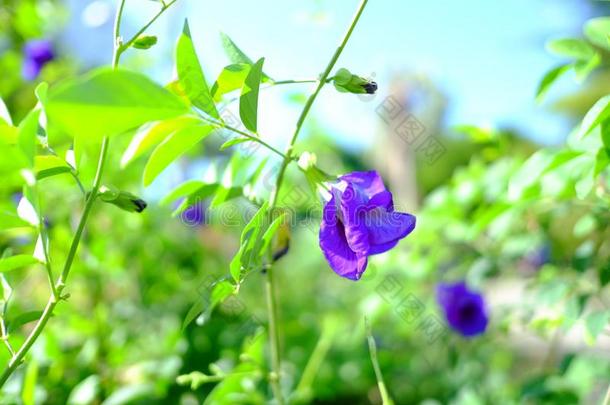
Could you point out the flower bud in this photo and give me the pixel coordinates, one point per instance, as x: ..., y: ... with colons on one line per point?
x: 144, y: 42
x: 347, y: 82
x: 122, y: 199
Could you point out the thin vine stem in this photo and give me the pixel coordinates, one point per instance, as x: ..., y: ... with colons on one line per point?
x: 244, y: 134
x: 274, y: 340
x: 383, y: 391
x: 58, y: 287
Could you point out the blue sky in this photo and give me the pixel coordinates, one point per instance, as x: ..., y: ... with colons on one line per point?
x: 487, y: 57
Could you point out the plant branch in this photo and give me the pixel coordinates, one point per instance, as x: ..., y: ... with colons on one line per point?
x: 321, y: 82
x: 275, y: 376
x: 244, y: 134
x: 122, y: 47
x: 385, y: 397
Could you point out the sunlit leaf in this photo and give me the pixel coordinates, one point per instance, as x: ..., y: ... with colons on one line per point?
x: 49, y: 165
x: 109, y: 102
x: 571, y: 48
x: 191, y: 75
x: 172, y: 148
x: 16, y: 262
x: 248, y: 101
x: 153, y: 133
x: 549, y: 78
x: 597, y: 31
x: 231, y: 78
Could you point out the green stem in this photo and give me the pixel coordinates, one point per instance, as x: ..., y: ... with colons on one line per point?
x: 274, y: 375
x: 385, y: 397
x: 122, y: 47
x: 271, y: 293
x: 321, y: 82
x: 244, y: 134
x: 59, y: 285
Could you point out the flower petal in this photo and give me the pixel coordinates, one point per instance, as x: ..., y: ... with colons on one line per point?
x: 337, y: 251
x: 388, y: 226
x: 383, y: 200
x: 382, y: 247
x: 353, y: 209
x: 370, y: 182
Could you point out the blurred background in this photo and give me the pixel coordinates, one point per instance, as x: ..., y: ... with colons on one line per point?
x: 452, y: 129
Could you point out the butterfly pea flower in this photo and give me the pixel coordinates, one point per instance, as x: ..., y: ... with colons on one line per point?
x: 359, y: 221
x: 36, y: 54
x: 464, y: 309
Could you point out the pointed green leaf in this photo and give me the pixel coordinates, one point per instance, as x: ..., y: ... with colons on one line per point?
x: 231, y: 78
x: 4, y: 114
x: 248, y: 101
x: 109, y: 102
x: 597, y: 31
x: 151, y: 134
x: 27, y: 135
x: 595, y: 116
x: 49, y: 165
x: 191, y: 75
x: 182, y: 190
x: 172, y: 148
x: 549, y: 78
x: 233, y: 142
x: 571, y: 48
x: 16, y: 262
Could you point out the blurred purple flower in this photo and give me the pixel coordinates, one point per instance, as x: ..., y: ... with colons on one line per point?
x: 194, y: 215
x: 36, y: 53
x: 464, y: 309
x: 359, y: 221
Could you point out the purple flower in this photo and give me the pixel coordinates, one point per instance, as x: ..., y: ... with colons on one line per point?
x: 359, y: 221
x: 464, y: 309
x: 36, y: 54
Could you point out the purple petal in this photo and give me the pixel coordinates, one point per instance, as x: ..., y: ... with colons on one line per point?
x: 370, y: 182
x: 389, y: 226
x: 382, y: 200
x: 337, y: 251
x: 464, y: 309
x: 353, y: 206
x: 30, y: 69
x: 382, y: 248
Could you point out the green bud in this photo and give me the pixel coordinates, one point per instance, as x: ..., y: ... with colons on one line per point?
x: 122, y: 199
x: 144, y: 42
x: 347, y: 82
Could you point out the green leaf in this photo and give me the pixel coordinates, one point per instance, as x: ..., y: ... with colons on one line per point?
x: 248, y: 101
x: 49, y: 165
x: 604, y: 274
x: 172, y: 148
x: 22, y: 319
x: 231, y: 78
x: 549, y: 78
x: 4, y: 114
x: 595, y: 116
x: 218, y: 292
x: 151, y: 134
x: 597, y: 31
x: 250, y: 242
x: 595, y: 322
x: 270, y: 233
x: 9, y: 220
x: 233, y: 142
x: 233, y: 52
x: 109, y: 102
x: 202, y: 193
x: 183, y: 190
x: 562, y: 157
x: 191, y: 76
x: 28, y: 391
x: 571, y: 48
x: 27, y: 135
x: 583, y: 68
x: 15, y: 262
